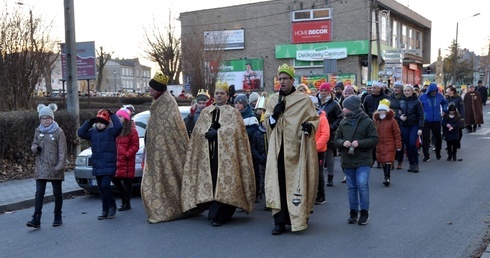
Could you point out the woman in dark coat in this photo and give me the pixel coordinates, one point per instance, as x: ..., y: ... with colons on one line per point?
x: 411, y: 115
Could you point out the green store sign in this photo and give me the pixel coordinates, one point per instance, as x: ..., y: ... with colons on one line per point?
x: 357, y: 47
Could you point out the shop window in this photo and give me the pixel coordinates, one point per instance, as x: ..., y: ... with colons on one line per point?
x: 312, y: 14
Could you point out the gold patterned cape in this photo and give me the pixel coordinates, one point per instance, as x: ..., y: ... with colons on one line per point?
x: 165, y: 148
x: 235, y: 183
x: 300, y: 157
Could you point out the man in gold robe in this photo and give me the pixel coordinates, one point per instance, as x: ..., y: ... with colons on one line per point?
x: 218, y: 172
x: 291, y: 178
x: 166, y: 143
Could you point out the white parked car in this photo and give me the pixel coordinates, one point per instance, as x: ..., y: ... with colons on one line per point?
x: 83, y: 163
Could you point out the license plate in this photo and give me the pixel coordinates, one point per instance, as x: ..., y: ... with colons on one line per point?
x: 92, y: 182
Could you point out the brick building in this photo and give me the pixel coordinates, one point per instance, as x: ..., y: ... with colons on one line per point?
x: 324, y: 40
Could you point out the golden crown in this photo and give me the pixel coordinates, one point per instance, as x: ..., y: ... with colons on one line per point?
x: 161, y: 78
x: 222, y: 85
x: 203, y: 93
x: 285, y: 68
x: 385, y: 102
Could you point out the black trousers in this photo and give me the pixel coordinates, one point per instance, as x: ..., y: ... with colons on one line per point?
x: 41, y: 190
x: 282, y: 217
x: 435, y: 128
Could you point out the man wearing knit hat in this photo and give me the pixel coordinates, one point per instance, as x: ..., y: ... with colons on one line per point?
x: 356, y: 137
x: 291, y: 122
x: 333, y: 111
x: 219, y: 151
x: 163, y: 138
x: 196, y: 108
x: 395, y: 98
x: 339, y: 87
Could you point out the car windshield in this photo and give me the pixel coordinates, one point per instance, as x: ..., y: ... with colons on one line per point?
x: 141, y: 119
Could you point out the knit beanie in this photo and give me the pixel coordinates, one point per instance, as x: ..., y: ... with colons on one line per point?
x: 325, y: 86
x: 340, y: 84
x: 47, y: 110
x: 254, y: 96
x: 124, y: 113
x: 398, y: 84
x: 159, y: 82
x: 352, y: 103
x: 242, y: 99
x: 348, y: 90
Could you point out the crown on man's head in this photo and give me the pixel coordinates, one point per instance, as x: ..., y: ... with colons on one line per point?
x: 161, y: 78
x: 285, y: 68
x: 203, y: 92
x: 222, y: 85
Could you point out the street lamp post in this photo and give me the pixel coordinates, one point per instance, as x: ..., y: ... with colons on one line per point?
x: 115, y: 86
x: 455, y: 61
x: 31, y: 24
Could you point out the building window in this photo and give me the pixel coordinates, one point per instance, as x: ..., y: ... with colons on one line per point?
x: 311, y: 15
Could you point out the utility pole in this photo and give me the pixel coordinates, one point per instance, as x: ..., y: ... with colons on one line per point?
x: 370, y: 38
x: 72, y: 104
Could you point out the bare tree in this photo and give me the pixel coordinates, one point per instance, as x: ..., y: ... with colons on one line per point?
x: 164, y: 49
x: 202, y: 55
x: 102, y: 58
x: 26, y: 52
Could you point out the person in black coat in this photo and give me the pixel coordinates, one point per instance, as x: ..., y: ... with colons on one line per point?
x: 450, y: 125
x: 483, y: 92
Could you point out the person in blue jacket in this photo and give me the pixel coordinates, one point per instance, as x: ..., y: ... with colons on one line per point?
x: 102, y: 138
x: 435, y: 105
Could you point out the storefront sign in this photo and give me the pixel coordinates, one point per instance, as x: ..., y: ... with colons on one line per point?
x: 321, y: 54
x: 311, y: 31
x: 357, y: 47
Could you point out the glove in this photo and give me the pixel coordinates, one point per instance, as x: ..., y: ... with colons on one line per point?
x: 91, y: 122
x: 419, y: 132
x: 212, y: 134
x: 38, y: 148
x: 110, y: 113
x: 306, y: 127
x: 278, y: 110
x: 215, y: 125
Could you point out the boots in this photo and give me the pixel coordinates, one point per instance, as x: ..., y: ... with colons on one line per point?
x: 57, y: 219
x: 126, y: 206
x: 363, y: 218
x: 329, y: 181
x: 112, y: 211
x: 102, y: 216
x: 400, y: 165
x: 35, y: 222
x: 454, y: 157
x: 353, y: 217
x: 386, y: 170
x: 449, y: 157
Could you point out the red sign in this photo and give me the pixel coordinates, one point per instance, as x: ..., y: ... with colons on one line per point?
x: 312, y: 31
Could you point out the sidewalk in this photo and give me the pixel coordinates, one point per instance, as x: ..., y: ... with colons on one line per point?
x: 19, y: 194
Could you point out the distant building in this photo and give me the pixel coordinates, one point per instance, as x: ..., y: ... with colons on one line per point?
x: 125, y: 74
x: 118, y: 74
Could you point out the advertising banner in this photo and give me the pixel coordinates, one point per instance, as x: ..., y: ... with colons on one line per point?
x: 86, y: 69
x: 346, y: 78
x: 224, y: 39
x: 245, y: 74
x: 311, y: 31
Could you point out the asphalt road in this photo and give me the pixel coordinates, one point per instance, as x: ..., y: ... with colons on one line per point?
x: 443, y: 211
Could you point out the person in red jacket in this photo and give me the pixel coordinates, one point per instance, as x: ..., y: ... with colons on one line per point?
x: 127, y: 146
x: 322, y: 136
x: 390, y: 140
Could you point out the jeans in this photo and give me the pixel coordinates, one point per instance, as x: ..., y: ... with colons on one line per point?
x: 409, y: 139
x: 106, y: 195
x: 41, y: 190
x: 358, y: 187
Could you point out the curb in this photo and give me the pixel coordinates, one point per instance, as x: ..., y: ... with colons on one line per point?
x: 30, y: 202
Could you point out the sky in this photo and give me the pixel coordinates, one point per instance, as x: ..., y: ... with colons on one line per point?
x: 119, y: 26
